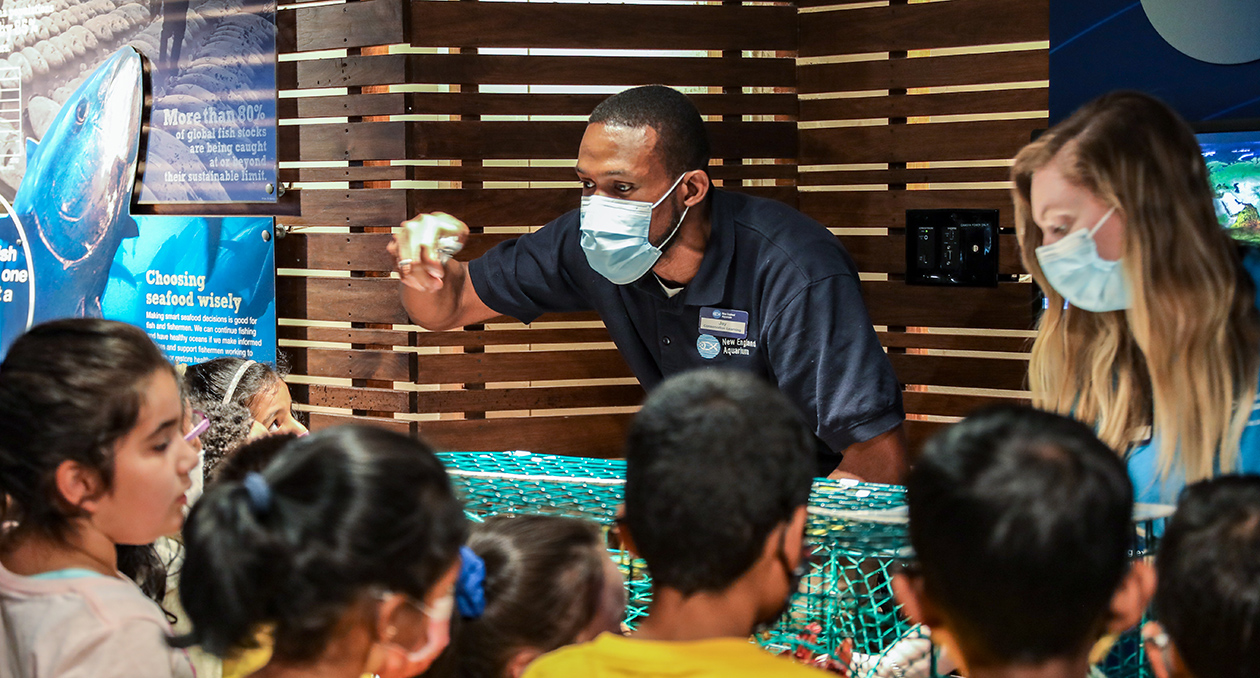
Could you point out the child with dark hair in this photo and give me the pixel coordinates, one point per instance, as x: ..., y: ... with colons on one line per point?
x: 718, y: 472
x: 1020, y: 521
x: 1208, y: 596
x: 93, y: 462
x: 548, y: 583
x: 345, y: 548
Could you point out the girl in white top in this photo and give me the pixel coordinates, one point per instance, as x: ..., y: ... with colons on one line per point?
x: 92, y: 456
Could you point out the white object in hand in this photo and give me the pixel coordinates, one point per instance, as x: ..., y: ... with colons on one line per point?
x: 438, y: 232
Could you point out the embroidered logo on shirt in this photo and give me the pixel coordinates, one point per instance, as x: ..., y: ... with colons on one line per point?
x: 708, y: 346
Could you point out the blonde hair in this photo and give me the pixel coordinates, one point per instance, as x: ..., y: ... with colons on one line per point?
x: 1183, y: 359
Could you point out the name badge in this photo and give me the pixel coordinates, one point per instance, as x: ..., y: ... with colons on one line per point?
x: 724, y: 322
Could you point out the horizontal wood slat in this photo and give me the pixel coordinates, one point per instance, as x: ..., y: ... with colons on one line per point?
x: 603, y: 26
x: 926, y: 175
x: 373, y: 399
x: 997, y: 139
x: 952, y: 405
x: 956, y: 342
x: 375, y: 300
x: 595, y: 435
x: 887, y: 209
x: 905, y: 27
x: 887, y: 253
x: 346, y: 335
x: 514, y: 173
x: 474, y: 69
x: 938, y: 370
x: 321, y: 420
x: 354, y: 24
x: 907, y: 105
x: 523, y: 366
x: 352, y: 364
x: 1007, y: 306
x: 930, y: 71
x: 372, y: 207
x: 542, y: 398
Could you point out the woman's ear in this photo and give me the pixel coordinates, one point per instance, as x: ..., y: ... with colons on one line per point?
x: 1131, y: 598
x: 520, y: 660
x: 79, y: 486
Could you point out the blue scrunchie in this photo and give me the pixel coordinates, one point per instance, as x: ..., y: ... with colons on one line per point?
x: 259, y: 493
x: 470, y: 588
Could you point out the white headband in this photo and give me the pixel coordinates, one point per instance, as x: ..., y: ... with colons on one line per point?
x: 240, y: 372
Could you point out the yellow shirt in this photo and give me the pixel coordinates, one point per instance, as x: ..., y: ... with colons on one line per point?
x: 612, y: 656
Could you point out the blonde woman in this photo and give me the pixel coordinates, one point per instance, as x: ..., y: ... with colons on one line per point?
x: 1151, y: 332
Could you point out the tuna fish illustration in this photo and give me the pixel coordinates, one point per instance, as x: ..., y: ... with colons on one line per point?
x: 71, y: 210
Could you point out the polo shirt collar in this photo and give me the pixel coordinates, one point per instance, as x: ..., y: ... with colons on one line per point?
x: 709, y: 285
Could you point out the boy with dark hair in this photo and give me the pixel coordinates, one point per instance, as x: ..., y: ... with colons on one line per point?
x: 1020, y: 520
x: 1208, y: 596
x: 718, y: 474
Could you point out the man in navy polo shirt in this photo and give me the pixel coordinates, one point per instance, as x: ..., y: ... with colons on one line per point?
x: 686, y: 276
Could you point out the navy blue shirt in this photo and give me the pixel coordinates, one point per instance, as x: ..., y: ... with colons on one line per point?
x: 776, y: 294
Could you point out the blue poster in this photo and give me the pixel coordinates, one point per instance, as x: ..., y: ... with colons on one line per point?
x: 212, y: 132
x: 203, y: 287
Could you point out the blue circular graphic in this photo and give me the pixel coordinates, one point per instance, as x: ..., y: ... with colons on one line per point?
x: 1215, y: 31
x: 708, y: 346
x: 717, y: 314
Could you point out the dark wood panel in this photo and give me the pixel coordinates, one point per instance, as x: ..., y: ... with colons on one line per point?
x: 543, y: 398
x: 886, y: 209
x: 918, y: 433
x: 986, y: 140
x: 958, y: 342
x: 925, y: 175
x: 512, y: 337
x: 342, y: 207
x: 596, y: 435
x: 1008, y: 306
x: 956, y: 23
x: 366, y: 300
x: 374, y: 399
x: 353, y: 364
x: 887, y: 253
x: 353, y: 141
x: 357, y: 173
x: 475, y: 103
x: 951, y: 405
x: 347, y: 335
x: 903, y: 73
x: 523, y: 366
x: 354, y: 24
x: 320, y: 421
x: 511, y: 140
x: 473, y: 69
x: 938, y: 370
x: 479, y: 172
x: 603, y: 26
x: 907, y: 105
x: 384, y: 103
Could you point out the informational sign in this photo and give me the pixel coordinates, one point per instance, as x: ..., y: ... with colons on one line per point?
x: 212, y: 135
x: 72, y: 101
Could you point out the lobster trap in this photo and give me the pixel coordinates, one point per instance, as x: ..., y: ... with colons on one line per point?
x: 843, y: 616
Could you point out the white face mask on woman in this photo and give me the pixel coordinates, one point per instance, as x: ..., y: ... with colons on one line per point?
x: 615, y: 235
x: 1086, y: 280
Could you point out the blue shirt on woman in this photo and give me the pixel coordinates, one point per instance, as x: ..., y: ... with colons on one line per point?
x: 1143, y: 459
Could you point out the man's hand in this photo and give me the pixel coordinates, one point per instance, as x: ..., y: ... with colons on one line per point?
x: 421, y: 247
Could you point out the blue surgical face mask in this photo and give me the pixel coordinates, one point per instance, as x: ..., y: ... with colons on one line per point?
x: 1086, y: 280
x: 615, y: 235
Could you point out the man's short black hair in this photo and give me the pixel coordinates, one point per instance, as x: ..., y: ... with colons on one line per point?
x: 1020, y: 520
x: 680, y: 135
x: 1208, y: 595
x: 714, y: 461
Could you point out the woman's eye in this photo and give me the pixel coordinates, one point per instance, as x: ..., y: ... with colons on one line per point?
x: 275, y: 426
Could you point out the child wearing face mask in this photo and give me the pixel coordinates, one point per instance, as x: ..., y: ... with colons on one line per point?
x: 718, y: 473
x: 94, y: 463
x: 1151, y: 333
x: 344, y: 551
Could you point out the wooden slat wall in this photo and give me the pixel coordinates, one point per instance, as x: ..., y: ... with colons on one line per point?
x: 910, y: 105
x: 390, y: 108
x: 393, y: 107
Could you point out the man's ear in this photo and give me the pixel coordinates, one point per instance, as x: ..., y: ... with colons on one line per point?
x: 79, y: 486
x: 695, y: 187
x: 794, y: 537
x: 520, y: 660
x: 1131, y: 598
